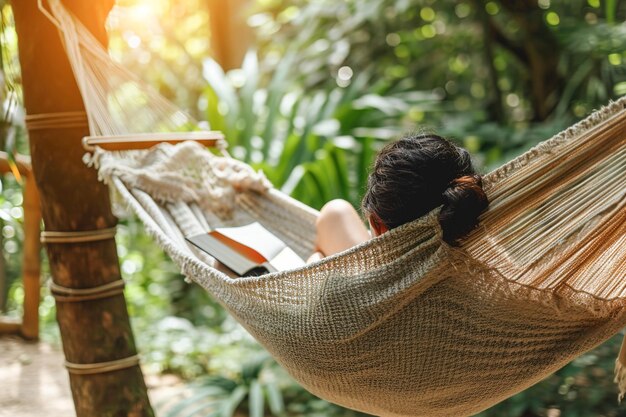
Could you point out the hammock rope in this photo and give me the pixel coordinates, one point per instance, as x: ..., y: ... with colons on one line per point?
x: 403, y: 324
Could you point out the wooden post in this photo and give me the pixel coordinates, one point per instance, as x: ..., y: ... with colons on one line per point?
x: 31, y: 262
x: 72, y: 199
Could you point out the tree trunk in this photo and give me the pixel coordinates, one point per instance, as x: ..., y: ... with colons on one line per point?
x: 494, y: 106
x: 539, y: 51
x: 230, y: 35
x: 72, y: 199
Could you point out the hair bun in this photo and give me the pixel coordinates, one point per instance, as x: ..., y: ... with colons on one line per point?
x: 463, y: 201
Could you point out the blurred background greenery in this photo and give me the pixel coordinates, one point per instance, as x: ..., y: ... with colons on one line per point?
x: 308, y: 91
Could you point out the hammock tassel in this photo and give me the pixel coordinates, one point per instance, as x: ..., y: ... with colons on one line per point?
x: 620, y: 371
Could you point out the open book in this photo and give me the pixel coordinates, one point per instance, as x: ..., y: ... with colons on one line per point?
x: 248, y: 250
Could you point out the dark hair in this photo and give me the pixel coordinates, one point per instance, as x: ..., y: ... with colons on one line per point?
x: 418, y: 173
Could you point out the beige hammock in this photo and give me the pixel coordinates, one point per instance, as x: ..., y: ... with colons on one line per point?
x: 401, y: 325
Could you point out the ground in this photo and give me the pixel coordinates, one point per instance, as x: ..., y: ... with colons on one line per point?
x: 33, y: 379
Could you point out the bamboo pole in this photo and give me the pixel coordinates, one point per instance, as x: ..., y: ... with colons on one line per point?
x: 72, y: 199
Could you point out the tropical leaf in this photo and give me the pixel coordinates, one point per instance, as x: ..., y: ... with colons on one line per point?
x: 251, y: 369
x: 230, y: 404
x: 275, y: 399
x: 201, y: 399
x: 256, y: 402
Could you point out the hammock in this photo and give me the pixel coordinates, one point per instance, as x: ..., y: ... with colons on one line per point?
x: 403, y: 324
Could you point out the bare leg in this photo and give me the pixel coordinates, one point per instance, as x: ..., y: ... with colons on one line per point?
x: 339, y: 227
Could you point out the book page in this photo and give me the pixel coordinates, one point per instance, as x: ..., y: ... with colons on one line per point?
x: 247, y: 247
x: 223, y: 253
x: 240, y: 248
x: 255, y: 237
x: 286, y: 259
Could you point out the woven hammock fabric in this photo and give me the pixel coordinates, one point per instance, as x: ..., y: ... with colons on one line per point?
x: 401, y: 325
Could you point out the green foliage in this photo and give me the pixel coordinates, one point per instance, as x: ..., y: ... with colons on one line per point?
x: 12, y: 141
x: 478, y: 57
x: 258, y: 388
x: 11, y: 220
x: 164, y: 41
x: 313, y: 145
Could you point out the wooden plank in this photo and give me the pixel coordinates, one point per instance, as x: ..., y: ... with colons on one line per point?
x: 147, y: 140
x: 9, y: 326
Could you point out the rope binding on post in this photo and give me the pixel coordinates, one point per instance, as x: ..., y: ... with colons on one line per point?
x: 72, y: 295
x: 49, y: 236
x: 101, y: 367
x: 59, y: 120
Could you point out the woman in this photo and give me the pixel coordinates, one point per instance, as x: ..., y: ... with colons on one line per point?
x: 410, y: 177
